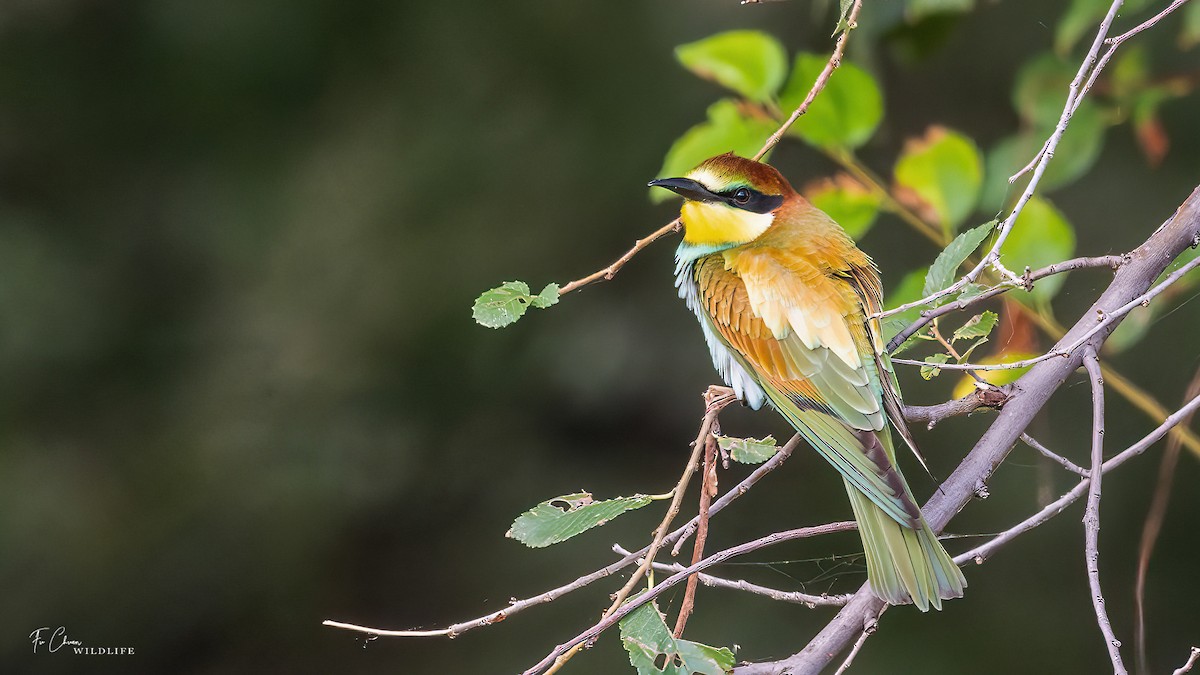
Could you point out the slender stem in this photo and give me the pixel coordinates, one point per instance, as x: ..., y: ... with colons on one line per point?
x: 712, y: 581
x: 708, y: 489
x: 1049, y: 454
x: 1104, y: 321
x: 1091, y: 517
x: 835, y: 60
x: 715, y: 559
x: 869, y: 629
x: 715, y: 399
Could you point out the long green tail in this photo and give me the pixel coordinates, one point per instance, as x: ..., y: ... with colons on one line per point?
x: 904, y: 565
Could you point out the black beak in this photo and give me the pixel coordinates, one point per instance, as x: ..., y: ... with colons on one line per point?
x: 687, y: 188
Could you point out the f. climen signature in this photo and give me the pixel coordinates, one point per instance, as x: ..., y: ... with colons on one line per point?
x: 49, y: 641
x: 54, y: 642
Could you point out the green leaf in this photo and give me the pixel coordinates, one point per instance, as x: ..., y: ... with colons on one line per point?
x: 1190, y: 35
x: 728, y: 129
x: 845, y: 113
x: 750, y: 62
x: 966, y: 356
x: 931, y: 371
x: 548, y: 296
x: 748, y: 450
x: 944, y: 269
x: 1041, y: 236
x: 919, y: 9
x: 502, y: 305
x: 944, y: 170
x: 908, y: 290
x: 978, y: 326
x: 561, y: 518
x: 654, y: 651
x: 851, y: 205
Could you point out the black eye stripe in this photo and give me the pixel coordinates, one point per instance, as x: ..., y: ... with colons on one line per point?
x: 758, y: 202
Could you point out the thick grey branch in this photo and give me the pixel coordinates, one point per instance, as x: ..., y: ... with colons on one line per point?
x: 1030, y: 395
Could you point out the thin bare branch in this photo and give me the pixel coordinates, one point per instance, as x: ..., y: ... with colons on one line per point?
x: 1074, y: 95
x: 869, y: 629
x: 714, y: 559
x: 1187, y: 667
x: 981, y: 553
x: 708, y: 489
x: 1053, y: 456
x: 609, y: 272
x: 553, y: 594
x: 1091, y: 515
x: 1104, y: 321
x: 1027, y: 281
x: 715, y: 399
x: 1155, y: 516
x: 835, y: 60
x: 712, y: 581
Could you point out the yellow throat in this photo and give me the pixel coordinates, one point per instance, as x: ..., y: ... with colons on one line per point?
x: 712, y: 223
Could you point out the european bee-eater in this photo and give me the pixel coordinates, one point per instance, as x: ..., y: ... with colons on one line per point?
x: 785, y: 299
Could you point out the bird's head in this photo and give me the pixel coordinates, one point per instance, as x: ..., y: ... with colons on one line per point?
x: 728, y: 200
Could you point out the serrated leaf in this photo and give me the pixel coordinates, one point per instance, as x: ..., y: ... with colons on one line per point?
x: 943, y: 170
x: 846, y: 112
x: 750, y: 62
x: 978, y: 326
x: 502, y: 305
x: 748, y: 450
x: 944, y: 269
x: 654, y: 651
x: 548, y: 297
x: 1040, y: 237
x: 931, y: 371
x: 728, y: 129
x: 561, y: 518
x: 847, y: 201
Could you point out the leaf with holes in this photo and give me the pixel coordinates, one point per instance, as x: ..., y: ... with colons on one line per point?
x: 502, y: 305
x: 1041, y: 236
x: 978, y: 326
x: 847, y: 111
x: 748, y: 450
x: 563, y: 517
x: 944, y: 269
x: 654, y: 651
x: 728, y: 129
x: 750, y: 62
x: 847, y: 201
x: 940, y: 174
x: 931, y: 371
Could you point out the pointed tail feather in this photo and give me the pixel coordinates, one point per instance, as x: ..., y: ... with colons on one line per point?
x: 904, y: 565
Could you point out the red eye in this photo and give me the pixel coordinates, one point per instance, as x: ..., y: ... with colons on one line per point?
x: 741, y: 196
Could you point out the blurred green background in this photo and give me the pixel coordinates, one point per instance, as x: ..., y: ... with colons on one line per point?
x: 243, y: 393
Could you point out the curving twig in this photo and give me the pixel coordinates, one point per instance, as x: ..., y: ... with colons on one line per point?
x: 1091, y: 515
